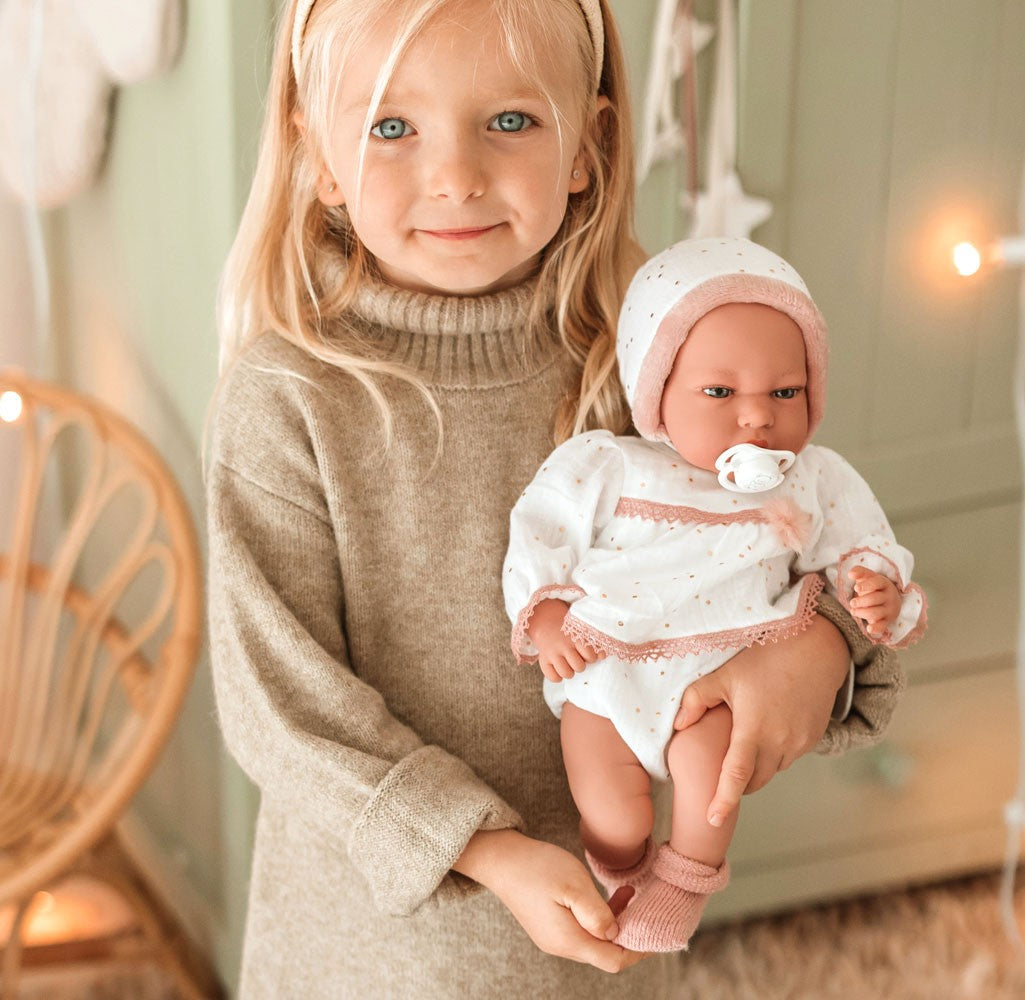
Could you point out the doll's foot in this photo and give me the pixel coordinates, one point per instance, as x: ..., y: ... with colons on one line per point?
x: 611, y: 879
x: 665, y: 913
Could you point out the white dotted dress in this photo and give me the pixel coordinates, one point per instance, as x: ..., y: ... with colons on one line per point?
x: 668, y: 575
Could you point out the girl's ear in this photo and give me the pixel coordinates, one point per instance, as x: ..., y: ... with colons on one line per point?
x: 328, y: 191
x: 580, y: 175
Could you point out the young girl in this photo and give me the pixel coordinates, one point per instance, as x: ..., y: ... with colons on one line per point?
x: 726, y: 520
x: 422, y: 297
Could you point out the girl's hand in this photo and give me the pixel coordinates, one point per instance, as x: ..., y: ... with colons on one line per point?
x: 876, y: 601
x: 781, y: 696
x: 552, y: 896
x: 560, y: 656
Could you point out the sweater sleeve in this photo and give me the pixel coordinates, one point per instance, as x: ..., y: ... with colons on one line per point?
x: 878, y: 683
x: 309, y: 733
x: 553, y: 524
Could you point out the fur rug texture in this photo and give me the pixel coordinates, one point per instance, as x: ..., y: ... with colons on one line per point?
x: 940, y: 942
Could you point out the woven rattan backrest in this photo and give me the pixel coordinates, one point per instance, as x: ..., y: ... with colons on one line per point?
x: 98, y: 636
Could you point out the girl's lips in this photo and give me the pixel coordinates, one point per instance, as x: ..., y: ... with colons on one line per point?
x: 459, y: 234
x: 759, y: 443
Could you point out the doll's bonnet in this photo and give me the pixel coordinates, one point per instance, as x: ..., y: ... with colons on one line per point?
x: 678, y: 286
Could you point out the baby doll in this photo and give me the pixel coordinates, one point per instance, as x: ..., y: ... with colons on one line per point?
x: 637, y: 565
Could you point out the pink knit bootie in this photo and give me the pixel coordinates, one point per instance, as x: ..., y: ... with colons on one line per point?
x: 611, y: 879
x: 665, y: 913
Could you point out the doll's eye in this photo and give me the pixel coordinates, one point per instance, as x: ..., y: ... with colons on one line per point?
x: 391, y: 128
x: 786, y: 393
x: 510, y: 121
x: 717, y: 391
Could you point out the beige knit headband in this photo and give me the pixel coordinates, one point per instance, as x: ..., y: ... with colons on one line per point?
x: 591, y: 9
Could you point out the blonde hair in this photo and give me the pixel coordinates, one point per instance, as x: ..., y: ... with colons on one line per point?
x: 271, y: 281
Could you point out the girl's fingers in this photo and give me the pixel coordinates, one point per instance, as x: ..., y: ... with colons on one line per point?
x: 594, y: 915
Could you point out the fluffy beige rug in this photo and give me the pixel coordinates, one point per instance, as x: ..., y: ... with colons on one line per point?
x: 942, y: 942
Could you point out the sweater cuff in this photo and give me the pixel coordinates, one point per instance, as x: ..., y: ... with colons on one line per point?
x: 418, y: 822
x: 878, y: 683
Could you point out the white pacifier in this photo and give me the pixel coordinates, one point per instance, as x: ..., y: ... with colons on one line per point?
x: 754, y: 469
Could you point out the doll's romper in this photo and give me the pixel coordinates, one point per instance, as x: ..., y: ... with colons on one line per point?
x: 668, y: 575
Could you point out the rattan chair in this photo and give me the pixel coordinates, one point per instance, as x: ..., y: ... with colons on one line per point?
x: 100, y: 620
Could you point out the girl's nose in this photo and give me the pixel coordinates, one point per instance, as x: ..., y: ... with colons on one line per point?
x: 456, y: 174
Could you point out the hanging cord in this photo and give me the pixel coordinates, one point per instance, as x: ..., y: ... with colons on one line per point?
x: 31, y: 214
x: 689, y: 103
x: 1014, y: 811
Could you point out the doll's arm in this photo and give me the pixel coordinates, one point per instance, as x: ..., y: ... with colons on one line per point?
x: 876, y: 600
x: 551, y: 527
x: 856, y: 544
x: 559, y: 656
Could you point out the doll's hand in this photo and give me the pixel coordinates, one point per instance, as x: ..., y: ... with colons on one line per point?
x: 781, y: 696
x: 559, y: 655
x: 876, y: 601
x: 552, y: 896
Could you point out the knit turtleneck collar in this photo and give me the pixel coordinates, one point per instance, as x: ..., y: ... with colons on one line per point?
x: 470, y: 341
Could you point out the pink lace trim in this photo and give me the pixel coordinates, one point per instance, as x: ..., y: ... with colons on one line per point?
x: 664, y: 649
x: 903, y: 588
x: 520, y: 639
x: 648, y: 510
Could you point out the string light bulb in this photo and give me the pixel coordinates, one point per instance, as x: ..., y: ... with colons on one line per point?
x: 1008, y: 251
x: 967, y: 259
x: 10, y: 406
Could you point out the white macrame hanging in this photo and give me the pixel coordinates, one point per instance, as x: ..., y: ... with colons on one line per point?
x: 59, y: 62
x: 676, y: 40
x: 723, y: 208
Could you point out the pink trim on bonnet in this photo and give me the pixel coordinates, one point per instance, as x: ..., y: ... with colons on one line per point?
x: 841, y: 586
x: 789, y: 522
x: 718, y: 291
x: 520, y: 639
x: 665, y: 649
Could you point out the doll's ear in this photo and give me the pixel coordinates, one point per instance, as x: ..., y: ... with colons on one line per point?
x: 328, y: 191
x: 580, y: 174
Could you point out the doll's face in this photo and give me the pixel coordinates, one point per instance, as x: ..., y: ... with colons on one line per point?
x: 740, y: 377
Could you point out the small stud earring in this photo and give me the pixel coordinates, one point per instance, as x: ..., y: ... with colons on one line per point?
x: 332, y: 188
x: 576, y: 175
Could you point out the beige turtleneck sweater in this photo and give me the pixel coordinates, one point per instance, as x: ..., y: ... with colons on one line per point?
x: 362, y: 663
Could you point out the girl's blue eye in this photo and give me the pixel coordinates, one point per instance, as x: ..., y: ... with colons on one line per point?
x: 510, y: 121
x: 391, y: 128
x: 786, y: 393
x: 717, y: 391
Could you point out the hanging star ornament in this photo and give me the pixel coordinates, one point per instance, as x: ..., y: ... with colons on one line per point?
x: 723, y: 208
x: 677, y: 37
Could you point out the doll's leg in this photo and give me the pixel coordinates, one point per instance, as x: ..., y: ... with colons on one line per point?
x: 611, y: 789
x: 693, y: 864
x: 695, y: 758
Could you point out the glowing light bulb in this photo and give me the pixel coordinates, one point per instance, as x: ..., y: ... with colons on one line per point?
x: 10, y: 406
x: 967, y: 259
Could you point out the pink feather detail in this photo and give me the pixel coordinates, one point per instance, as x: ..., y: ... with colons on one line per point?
x: 791, y: 524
